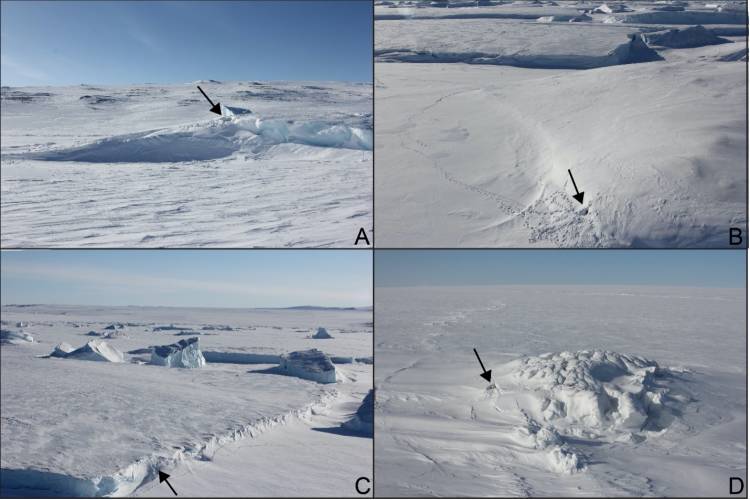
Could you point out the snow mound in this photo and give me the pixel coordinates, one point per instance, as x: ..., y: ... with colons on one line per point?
x: 11, y: 337
x: 311, y: 365
x: 739, y: 55
x: 362, y: 421
x: 184, y: 354
x: 96, y: 350
x: 322, y: 333
x: 589, y: 393
x: 694, y: 36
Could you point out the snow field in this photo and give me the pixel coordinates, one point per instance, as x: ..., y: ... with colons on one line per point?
x: 631, y: 401
x: 474, y: 148
x: 133, y: 418
x: 148, y: 165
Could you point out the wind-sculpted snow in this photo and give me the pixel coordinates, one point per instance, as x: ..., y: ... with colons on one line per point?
x: 289, y: 164
x: 184, y: 354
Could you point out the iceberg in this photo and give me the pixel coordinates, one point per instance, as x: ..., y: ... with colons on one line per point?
x: 311, y: 365
x: 362, y: 421
x: 19, y: 337
x: 322, y: 333
x: 184, y: 354
x: 96, y: 350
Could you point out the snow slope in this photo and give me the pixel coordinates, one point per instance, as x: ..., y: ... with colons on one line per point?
x: 646, y: 397
x: 75, y: 428
x: 474, y: 148
x: 147, y: 165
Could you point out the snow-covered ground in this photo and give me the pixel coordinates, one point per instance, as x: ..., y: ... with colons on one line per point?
x: 482, y: 108
x: 604, y: 391
x: 149, y: 165
x: 72, y: 426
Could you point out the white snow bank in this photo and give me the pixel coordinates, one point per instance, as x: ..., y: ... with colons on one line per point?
x: 362, y: 421
x: 322, y: 333
x: 96, y: 350
x: 311, y: 365
x: 184, y: 354
x: 694, y: 36
x: 17, y: 337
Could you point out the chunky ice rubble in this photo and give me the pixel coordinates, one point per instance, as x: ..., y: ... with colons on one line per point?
x: 15, y: 337
x: 95, y: 350
x: 588, y: 393
x: 184, y: 354
x: 322, y: 333
x: 311, y: 365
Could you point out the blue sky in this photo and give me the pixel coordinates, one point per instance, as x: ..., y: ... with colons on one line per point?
x: 121, y: 42
x: 718, y: 268
x: 210, y: 278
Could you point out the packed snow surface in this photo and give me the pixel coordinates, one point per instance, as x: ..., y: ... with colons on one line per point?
x: 311, y: 365
x: 482, y: 108
x: 287, y: 164
x: 596, y: 391
x: 75, y: 428
x: 184, y: 354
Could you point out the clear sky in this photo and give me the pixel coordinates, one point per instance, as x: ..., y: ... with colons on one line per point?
x: 717, y: 268
x: 121, y: 42
x: 210, y: 278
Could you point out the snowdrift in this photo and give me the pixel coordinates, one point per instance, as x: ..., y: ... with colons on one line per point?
x: 61, y: 350
x: 184, y: 354
x: 694, y: 36
x: 322, y: 333
x: 94, y: 350
x: 212, y: 140
x: 311, y: 365
x: 17, y: 337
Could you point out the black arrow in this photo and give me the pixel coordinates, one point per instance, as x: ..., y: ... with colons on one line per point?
x: 215, y: 108
x: 486, y: 374
x: 163, y: 476
x: 578, y: 196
